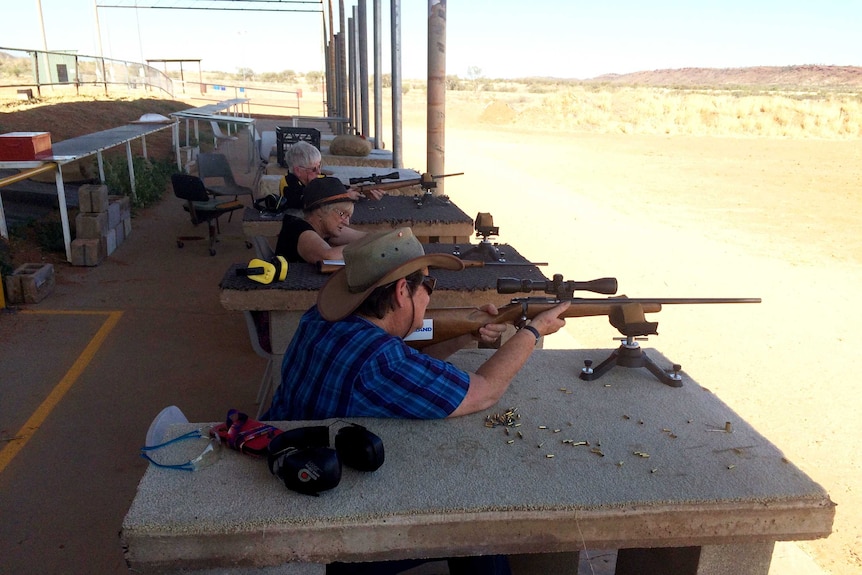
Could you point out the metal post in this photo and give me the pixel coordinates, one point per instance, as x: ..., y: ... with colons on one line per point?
x: 436, y: 151
x: 362, y: 54
x: 99, y: 38
x: 378, y: 82
x: 351, y: 76
x: 354, y: 72
x: 342, y: 66
x: 341, y: 79
x: 395, y: 25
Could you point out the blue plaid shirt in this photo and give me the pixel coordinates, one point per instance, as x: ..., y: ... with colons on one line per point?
x: 353, y: 368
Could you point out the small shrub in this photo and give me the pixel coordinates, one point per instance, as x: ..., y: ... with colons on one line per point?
x: 151, y: 178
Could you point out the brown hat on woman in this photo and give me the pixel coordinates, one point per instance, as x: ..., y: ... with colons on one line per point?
x: 322, y: 191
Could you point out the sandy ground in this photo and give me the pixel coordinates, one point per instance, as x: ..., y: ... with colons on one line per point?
x: 701, y: 217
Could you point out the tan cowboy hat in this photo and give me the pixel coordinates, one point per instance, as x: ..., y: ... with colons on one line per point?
x: 375, y: 260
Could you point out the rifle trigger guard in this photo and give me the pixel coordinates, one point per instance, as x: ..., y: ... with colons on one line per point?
x: 522, y: 321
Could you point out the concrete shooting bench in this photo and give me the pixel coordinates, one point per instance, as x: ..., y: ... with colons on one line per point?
x: 672, y: 478
x: 432, y: 219
x: 433, y: 222
x: 286, y: 301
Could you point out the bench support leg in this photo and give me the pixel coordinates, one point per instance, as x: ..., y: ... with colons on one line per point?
x: 752, y: 559
x: 544, y: 563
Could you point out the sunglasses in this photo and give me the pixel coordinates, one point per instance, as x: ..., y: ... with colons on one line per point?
x: 208, y: 456
x: 429, y: 283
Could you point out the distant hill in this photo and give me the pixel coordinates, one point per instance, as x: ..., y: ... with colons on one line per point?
x: 779, y: 76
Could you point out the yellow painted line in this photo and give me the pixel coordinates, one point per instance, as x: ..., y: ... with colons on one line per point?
x: 39, y: 416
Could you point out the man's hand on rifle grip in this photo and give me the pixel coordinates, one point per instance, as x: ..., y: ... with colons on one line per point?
x: 490, y: 332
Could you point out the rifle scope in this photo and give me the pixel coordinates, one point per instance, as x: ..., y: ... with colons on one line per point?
x: 558, y: 287
x: 375, y: 179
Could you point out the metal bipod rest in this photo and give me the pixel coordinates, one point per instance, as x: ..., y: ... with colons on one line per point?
x: 630, y: 354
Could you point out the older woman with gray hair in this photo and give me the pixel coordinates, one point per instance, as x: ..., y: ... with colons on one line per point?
x: 324, y: 228
x: 304, y: 162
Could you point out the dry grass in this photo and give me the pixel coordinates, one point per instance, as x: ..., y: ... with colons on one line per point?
x: 645, y: 110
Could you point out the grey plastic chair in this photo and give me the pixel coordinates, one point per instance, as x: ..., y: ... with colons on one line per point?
x: 214, y: 170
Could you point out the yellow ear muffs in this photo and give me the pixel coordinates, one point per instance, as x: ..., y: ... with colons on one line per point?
x: 265, y: 272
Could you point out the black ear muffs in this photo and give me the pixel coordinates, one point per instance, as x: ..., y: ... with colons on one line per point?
x: 359, y: 448
x: 302, y: 457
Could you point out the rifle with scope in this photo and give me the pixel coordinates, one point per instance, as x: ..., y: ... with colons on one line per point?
x: 393, y: 181
x: 624, y: 313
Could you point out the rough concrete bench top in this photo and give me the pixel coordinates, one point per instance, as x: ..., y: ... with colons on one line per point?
x: 298, y: 292
x: 659, y: 469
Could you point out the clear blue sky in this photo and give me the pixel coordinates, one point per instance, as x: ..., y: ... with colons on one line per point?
x: 503, y: 38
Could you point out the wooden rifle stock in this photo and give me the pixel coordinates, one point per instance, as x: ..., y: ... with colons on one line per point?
x: 457, y: 321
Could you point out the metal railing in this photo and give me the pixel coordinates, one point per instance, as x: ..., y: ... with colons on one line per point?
x: 38, y: 73
x: 63, y: 72
x: 262, y: 98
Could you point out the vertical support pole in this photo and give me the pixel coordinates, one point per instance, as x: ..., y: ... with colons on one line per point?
x: 397, y: 111
x: 351, y: 77
x: 331, y: 85
x: 436, y: 151
x: 175, y: 138
x: 362, y: 53
x: 101, y: 163
x: 131, y: 170
x: 354, y: 71
x: 342, y: 66
x: 64, y: 215
x: 4, y: 231
x: 341, y: 78
x: 378, y: 81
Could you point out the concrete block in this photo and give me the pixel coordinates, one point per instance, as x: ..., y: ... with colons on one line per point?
x: 91, y: 226
x: 127, y: 226
x: 36, y: 281
x: 125, y: 204
x: 87, y: 252
x: 109, y: 241
x: 120, y: 230
x: 114, y: 216
x: 13, y: 289
x: 93, y: 199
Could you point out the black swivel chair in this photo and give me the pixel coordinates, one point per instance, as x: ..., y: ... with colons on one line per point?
x: 201, y: 206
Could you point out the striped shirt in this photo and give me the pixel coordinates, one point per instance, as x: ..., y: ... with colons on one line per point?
x: 353, y: 368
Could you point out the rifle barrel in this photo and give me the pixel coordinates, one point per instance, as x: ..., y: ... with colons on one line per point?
x: 671, y: 300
